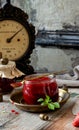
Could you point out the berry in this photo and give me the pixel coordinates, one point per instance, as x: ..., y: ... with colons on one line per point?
x: 12, y: 110
x: 76, y: 121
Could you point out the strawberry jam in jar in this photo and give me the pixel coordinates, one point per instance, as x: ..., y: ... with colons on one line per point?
x: 5, y: 85
x: 36, y: 86
x: 8, y: 74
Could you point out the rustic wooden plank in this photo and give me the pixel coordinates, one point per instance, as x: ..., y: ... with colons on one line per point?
x: 63, y: 119
x: 61, y: 123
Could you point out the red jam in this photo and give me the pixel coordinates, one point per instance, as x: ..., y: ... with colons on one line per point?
x: 38, y: 88
x: 5, y: 85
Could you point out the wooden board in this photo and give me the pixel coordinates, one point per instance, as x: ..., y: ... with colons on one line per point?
x: 64, y: 120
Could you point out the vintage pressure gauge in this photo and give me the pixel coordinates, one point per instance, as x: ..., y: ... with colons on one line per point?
x: 17, y: 36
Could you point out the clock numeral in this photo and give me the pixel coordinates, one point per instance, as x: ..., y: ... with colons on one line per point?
x: 10, y: 55
x: 24, y: 44
x: 3, y: 25
x: 8, y: 51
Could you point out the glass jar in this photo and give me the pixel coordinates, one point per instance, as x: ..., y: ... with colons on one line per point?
x: 5, y: 85
x: 37, y: 86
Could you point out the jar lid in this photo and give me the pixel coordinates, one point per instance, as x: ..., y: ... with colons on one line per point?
x: 9, y: 70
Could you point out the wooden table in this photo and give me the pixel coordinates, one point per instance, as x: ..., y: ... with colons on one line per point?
x: 64, y: 118
x: 61, y: 119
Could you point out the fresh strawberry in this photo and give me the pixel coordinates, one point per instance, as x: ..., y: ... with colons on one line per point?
x: 76, y: 121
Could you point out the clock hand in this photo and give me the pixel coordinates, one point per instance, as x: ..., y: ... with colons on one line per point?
x: 9, y: 39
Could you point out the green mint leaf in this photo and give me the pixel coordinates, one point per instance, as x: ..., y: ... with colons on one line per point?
x: 40, y: 100
x: 56, y: 105
x: 50, y: 100
x: 44, y: 104
x: 51, y: 106
x: 46, y: 101
x: 47, y: 97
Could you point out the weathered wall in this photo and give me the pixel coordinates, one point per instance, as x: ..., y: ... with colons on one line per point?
x: 51, y: 14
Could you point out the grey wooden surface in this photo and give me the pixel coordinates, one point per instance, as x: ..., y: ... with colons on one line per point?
x: 24, y: 120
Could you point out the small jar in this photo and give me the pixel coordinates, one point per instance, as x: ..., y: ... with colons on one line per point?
x: 5, y: 85
x: 1, y: 95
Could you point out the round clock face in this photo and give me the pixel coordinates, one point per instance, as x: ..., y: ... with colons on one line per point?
x: 14, y: 39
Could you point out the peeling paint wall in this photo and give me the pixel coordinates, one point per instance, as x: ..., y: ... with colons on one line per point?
x: 51, y: 15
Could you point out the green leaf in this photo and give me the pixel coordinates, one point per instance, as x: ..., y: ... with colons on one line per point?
x: 51, y: 106
x: 40, y: 100
x: 44, y: 104
x: 48, y: 101
x: 56, y: 105
x: 47, y: 97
